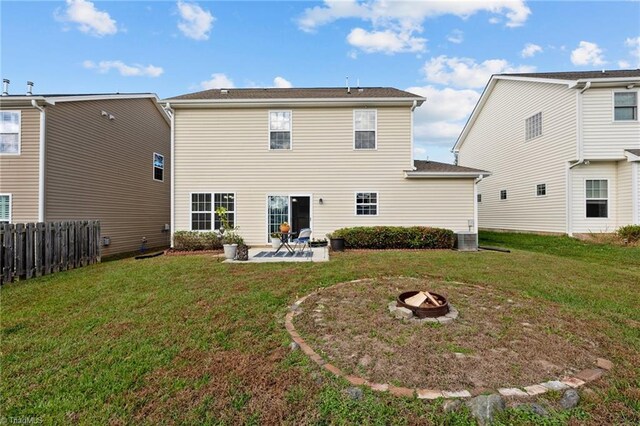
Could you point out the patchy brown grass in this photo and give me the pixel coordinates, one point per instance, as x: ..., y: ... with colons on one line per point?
x: 500, y: 339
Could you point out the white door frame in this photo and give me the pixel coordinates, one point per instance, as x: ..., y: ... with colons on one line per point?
x: 289, y: 195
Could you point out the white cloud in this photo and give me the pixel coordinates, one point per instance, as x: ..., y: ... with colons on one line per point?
x: 634, y: 44
x: 530, y: 49
x: 395, y: 25
x: 465, y: 72
x: 387, y: 41
x: 135, y: 70
x: 195, y: 22
x: 624, y: 64
x: 282, y: 83
x: 217, y: 81
x: 456, y: 36
x: 419, y: 151
x: 587, y: 53
x: 89, y: 19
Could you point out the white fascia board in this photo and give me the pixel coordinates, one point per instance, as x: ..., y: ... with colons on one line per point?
x: 631, y: 157
x: 535, y: 79
x: 605, y: 81
x: 54, y: 99
x: 432, y: 175
x: 292, y: 102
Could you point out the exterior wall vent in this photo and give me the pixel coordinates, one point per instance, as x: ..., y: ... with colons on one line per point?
x: 466, y: 241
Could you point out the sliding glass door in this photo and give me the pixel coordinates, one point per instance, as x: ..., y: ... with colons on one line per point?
x: 277, y: 212
x: 295, y: 209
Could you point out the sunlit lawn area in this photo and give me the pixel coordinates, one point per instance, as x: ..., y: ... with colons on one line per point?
x: 192, y: 340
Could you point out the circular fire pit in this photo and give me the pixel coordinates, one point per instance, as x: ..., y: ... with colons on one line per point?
x: 426, y: 309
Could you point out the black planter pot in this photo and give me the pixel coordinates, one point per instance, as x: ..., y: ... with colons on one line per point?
x: 337, y: 244
x: 242, y: 253
x: 318, y: 244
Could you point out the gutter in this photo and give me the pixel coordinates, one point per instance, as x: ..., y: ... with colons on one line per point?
x: 581, y: 159
x: 292, y: 101
x: 413, y: 160
x: 467, y: 175
x: 171, y: 114
x: 41, y: 159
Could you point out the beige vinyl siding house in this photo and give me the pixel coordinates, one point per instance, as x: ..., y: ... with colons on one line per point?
x: 561, y: 146
x: 98, y: 164
x: 323, y: 178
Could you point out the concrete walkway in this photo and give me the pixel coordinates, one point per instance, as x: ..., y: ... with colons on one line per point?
x: 267, y: 254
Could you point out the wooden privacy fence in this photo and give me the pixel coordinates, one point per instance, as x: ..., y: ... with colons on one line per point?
x: 34, y: 249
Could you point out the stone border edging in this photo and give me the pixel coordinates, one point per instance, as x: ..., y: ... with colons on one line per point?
x: 579, y: 379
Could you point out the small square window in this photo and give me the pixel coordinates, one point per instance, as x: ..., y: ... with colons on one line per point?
x: 479, y: 197
x: 503, y: 194
x: 366, y: 203
x: 541, y: 189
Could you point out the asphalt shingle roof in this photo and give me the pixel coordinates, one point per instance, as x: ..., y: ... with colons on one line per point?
x: 300, y: 93
x: 577, y: 75
x: 634, y: 151
x: 437, y: 167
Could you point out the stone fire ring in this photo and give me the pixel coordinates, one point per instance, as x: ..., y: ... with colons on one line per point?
x: 580, y: 379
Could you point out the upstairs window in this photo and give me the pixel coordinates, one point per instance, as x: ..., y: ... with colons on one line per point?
x: 5, y: 208
x: 158, y: 167
x: 279, y: 129
x: 533, y: 126
x: 625, y: 106
x: 201, y: 212
x: 597, y: 198
x: 364, y: 125
x: 366, y: 203
x: 541, y: 189
x: 503, y: 194
x: 9, y: 132
x: 479, y: 197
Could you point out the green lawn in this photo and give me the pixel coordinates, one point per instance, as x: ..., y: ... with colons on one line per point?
x: 192, y: 340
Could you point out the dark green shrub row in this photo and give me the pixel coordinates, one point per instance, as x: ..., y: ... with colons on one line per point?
x: 192, y: 240
x: 396, y: 237
x: 630, y: 233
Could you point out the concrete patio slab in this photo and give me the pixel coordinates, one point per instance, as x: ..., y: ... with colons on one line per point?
x: 267, y: 254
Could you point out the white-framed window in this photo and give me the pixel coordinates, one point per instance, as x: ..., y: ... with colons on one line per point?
x: 10, y: 132
x: 158, y: 167
x: 503, y: 194
x: 479, y: 198
x: 597, y: 198
x: 365, y: 124
x: 279, y: 129
x: 625, y: 106
x: 366, y: 203
x: 541, y: 190
x: 203, y: 209
x: 5, y: 208
x: 533, y: 126
x: 228, y: 201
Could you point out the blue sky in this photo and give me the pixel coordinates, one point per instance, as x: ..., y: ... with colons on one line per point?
x: 443, y: 50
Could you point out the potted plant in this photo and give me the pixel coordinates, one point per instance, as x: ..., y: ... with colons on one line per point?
x: 285, y: 227
x: 229, y: 235
x: 275, y: 240
x: 336, y: 242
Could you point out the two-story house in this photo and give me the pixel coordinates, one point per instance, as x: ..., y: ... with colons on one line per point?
x: 563, y: 149
x: 87, y: 157
x: 323, y: 158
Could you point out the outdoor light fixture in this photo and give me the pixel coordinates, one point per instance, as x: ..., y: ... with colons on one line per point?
x: 320, y: 201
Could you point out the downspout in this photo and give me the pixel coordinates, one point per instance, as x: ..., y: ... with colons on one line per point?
x: 413, y: 161
x: 41, y: 160
x: 475, y: 202
x: 635, y: 191
x: 171, y: 113
x: 581, y: 160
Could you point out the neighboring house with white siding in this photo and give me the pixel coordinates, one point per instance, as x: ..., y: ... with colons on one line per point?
x: 87, y: 157
x: 563, y: 149
x: 323, y: 158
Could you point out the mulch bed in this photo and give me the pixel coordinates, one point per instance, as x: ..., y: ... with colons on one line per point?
x: 173, y: 252
x: 499, y: 339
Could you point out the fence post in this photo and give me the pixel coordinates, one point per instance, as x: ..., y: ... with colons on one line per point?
x: 48, y: 248
x: 39, y: 248
x: 7, y: 271
x: 19, y: 251
x: 64, y: 246
x: 29, y: 265
x: 2, y: 250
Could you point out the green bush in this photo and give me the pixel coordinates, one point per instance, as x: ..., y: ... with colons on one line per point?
x: 630, y: 233
x: 396, y: 237
x: 193, y: 240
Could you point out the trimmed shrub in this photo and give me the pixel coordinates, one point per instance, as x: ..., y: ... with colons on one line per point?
x: 630, y: 232
x: 193, y: 240
x: 396, y: 237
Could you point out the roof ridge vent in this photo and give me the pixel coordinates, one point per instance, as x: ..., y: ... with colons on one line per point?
x: 5, y: 87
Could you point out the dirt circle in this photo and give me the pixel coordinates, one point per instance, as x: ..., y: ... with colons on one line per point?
x: 499, y: 339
